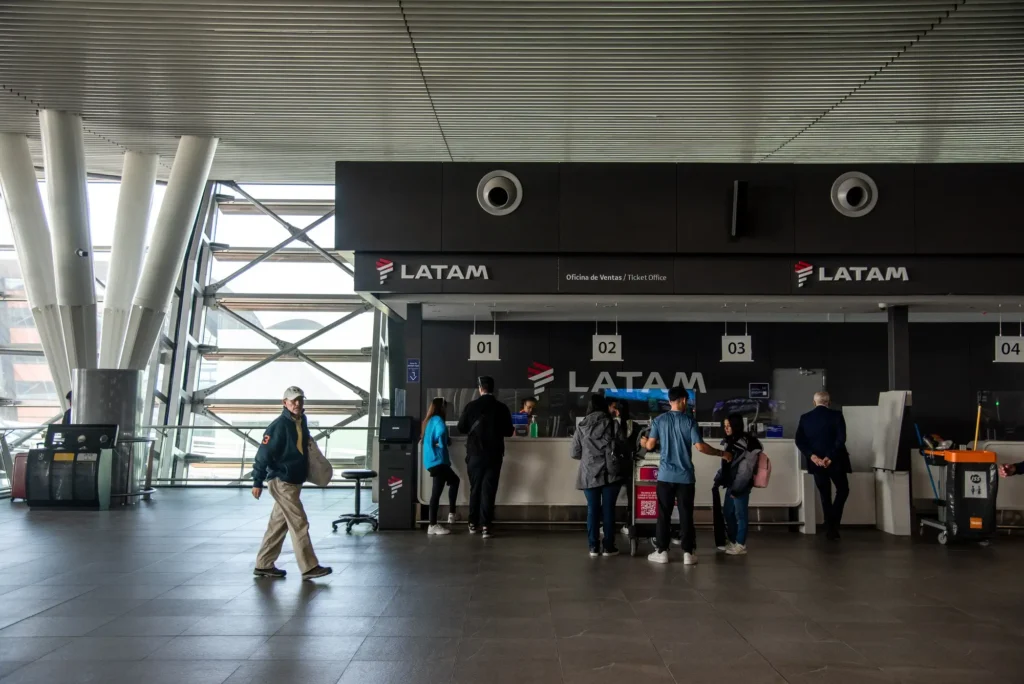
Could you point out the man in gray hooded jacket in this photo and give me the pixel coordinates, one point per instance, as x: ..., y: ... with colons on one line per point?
x: 600, y: 474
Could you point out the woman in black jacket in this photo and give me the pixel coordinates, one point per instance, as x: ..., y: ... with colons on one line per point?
x: 600, y: 473
x: 737, y: 477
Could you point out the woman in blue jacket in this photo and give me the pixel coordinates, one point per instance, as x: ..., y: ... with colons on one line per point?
x: 438, y: 463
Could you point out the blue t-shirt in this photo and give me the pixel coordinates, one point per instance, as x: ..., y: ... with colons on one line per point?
x: 676, y: 433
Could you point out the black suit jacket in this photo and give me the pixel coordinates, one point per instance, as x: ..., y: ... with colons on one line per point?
x: 822, y: 432
x: 486, y: 422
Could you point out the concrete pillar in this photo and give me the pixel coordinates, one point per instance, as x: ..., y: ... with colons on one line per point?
x: 20, y: 192
x: 189, y: 174
x: 134, y: 202
x: 64, y: 164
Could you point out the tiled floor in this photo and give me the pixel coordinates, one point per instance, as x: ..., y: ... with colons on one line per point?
x: 164, y: 594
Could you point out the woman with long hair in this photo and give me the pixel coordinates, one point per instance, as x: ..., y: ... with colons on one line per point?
x: 437, y: 461
x: 625, y: 437
x: 737, y: 476
x: 600, y: 473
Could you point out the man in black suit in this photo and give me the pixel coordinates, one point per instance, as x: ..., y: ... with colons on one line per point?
x: 486, y: 422
x: 821, y: 438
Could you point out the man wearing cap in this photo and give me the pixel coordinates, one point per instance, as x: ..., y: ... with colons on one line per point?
x: 282, y: 464
x: 486, y: 422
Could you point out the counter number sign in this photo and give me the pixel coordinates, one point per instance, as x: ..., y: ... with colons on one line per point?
x: 736, y: 349
x: 483, y: 348
x: 607, y: 348
x: 1009, y: 349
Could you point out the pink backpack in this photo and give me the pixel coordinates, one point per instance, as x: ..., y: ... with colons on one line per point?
x: 763, y: 471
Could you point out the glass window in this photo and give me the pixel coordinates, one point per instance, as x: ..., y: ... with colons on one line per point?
x: 284, y: 277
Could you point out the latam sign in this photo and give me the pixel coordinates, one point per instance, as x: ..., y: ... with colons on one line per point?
x: 804, y: 271
x: 386, y: 267
x: 541, y: 374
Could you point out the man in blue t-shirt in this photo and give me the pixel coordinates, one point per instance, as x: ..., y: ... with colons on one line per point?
x: 677, y: 434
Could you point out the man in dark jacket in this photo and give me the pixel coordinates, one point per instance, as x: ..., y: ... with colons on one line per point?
x: 486, y: 422
x: 282, y: 465
x: 821, y: 438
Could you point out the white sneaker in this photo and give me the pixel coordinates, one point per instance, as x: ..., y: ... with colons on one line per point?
x: 438, y: 529
x: 658, y: 557
x: 689, y: 559
x: 594, y: 553
x: 736, y: 550
x: 677, y: 541
x: 625, y: 530
x: 725, y: 549
x: 486, y: 533
x: 453, y: 518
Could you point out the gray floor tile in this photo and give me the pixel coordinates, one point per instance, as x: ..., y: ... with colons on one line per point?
x: 145, y: 626
x: 615, y: 673
x: 281, y: 671
x: 594, y: 609
x: 28, y: 648
x: 55, y: 626
x: 407, y: 648
x: 83, y: 606
x: 841, y: 674
x: 407, y: 672
x: 160, y: 607
x: 9, y: 666
x: 508, y: 609
x: 108, y: 648
x: 627, y: 630
x: 508, y: 672
x: 447, y: 627
x: 236, y: 625
x: 308, y: 648
x: 748, y: 670
x: 507, y: 649
x: 355, y: 607
x: 211, y: 591
x: 508, y: 628
x: 113, y: 672
x: 327, y: 626
x: 209, y: 648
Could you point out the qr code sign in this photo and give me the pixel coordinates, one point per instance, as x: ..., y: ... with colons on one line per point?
x: 648, y: 509
x: 646, y: 502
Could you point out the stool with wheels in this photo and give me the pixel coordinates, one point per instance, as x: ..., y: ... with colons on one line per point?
x: 356, y: 517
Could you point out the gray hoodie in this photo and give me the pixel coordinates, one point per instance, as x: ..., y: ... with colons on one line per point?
x: 593, y: 445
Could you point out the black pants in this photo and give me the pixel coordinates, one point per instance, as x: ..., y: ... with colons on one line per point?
x: 443, y: 475
x: 832, y: 508
x: 483, y: 488
x: 668, y: 494
x: 718, y: 517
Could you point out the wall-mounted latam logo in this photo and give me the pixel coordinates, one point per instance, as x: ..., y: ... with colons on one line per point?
x: 384, y: 269
x: 395, y: 483
x: 802, y: 268
x: 853, y: 274
x: 539, y: 375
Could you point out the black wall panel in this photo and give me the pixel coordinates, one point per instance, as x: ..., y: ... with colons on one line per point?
x: 388, y: 206
x: 968, y: 208
x: 618, y: 208
x: 533, y: 227
x: 705, y: 208
x: 888, y: 229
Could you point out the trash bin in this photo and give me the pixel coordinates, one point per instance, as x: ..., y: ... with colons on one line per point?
x: 396, y: 470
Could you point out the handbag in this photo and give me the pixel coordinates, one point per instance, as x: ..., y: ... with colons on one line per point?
x: 320, y: 471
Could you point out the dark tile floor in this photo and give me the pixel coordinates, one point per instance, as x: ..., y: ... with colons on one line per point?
x: 164, y: 594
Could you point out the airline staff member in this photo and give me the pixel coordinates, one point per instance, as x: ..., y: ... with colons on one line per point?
x: 529, y: 406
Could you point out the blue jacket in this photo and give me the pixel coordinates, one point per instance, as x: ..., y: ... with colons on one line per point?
x: 435, y: 443
x: 822, y: 432
x: 279, y: 456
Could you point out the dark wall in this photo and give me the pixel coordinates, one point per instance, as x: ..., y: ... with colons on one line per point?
x: 948, y: 366
x: 679, y: 209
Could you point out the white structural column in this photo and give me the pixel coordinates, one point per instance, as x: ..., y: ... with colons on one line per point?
x: 64, y: 166
x: 20, y: 191
x: 134, y: 202
x: 189, y: 173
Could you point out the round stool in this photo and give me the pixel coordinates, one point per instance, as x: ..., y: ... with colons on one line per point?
x: 355, y: 518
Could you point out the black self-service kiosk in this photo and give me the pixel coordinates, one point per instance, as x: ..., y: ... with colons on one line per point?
x: 396, y: 495
x: 73, y: 469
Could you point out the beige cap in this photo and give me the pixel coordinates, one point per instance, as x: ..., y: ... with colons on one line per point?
x: 293, y: 392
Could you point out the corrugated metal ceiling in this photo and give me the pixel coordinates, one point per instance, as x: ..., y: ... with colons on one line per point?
x: 290, y: 87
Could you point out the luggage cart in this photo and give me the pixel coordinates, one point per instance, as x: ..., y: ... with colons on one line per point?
x: 644, y: 515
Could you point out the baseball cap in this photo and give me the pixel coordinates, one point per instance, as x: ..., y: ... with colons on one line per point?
x: 294, y: 392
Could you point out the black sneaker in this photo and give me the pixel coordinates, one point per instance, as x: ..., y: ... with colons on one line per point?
x: 487, y: 534
x: 594, y: 552
x: 317, y: 572
x: 473, y: 529
x: 610, y: 551
x: 273, y: 572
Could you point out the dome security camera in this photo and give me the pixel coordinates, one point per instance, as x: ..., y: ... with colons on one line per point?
x: 499, y: 193
x: 854, y: 194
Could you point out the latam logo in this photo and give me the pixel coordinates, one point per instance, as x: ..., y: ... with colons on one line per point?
x: 446, y: 272
x: 395, y: 483
x: 803, y: 272
x: 540, y: 375
x: 853, y: 274
x: 384, y: 269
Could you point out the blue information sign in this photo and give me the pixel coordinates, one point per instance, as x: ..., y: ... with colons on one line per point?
x: 412, y: 370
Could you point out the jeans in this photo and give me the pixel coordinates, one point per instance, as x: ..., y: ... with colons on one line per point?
x: 601, y: 507
x: 483, y: 489
x: 735, y: 512
x: 668, y: 493
x: 443, y: 475
x: 832, y: 508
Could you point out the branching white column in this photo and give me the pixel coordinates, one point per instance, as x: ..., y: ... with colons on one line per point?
x: 133, y: 205
x: 189, y: 173
x: 32, y: 242
x: 64, y: 165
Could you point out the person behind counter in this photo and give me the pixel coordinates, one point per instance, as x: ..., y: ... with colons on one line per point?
x: 821, y: 438
x: 486, y: 422
x: 600, y: 473
x: 737, y: 477
x: 528, y: 406
x: 438, y: 463
x: 626, y: 438
x: 677, y: 434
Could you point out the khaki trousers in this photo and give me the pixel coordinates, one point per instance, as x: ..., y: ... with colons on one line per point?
x: 288, y: 516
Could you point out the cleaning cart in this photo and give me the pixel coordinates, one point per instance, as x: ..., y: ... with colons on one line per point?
x: 965, y: 490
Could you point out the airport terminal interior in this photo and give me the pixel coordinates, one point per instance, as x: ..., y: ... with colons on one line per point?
x: 456, y: 341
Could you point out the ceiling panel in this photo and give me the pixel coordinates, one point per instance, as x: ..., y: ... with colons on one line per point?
x: 290, y: 87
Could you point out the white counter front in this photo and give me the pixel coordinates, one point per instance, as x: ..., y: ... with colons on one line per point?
x: 540, y: 472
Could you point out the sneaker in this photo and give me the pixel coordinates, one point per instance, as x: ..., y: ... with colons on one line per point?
x: 594, y: 553
x: 689, y: 559
x: 453, y: 518
x: 736, y: 550
x: 487, y: 534
x: 658, y: 557
x: 473, y: 529
x: 677, y: 541
x: 273, y: 572
x: 625, y: 530
x: 438, y: 529
x: 317, y: 572
x: 725, y: 549
x: 610, y: 551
